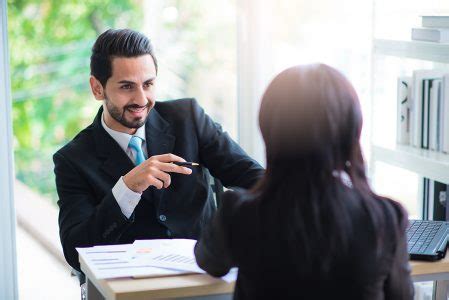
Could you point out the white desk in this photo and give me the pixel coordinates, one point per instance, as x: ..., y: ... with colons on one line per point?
x: 191, y: 286
x: 433, y: 271
x: 202, y: 286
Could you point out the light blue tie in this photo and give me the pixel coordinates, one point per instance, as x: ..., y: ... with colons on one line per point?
x: 136, y: 144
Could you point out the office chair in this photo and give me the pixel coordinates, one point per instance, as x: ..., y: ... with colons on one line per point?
x: 217, y: 188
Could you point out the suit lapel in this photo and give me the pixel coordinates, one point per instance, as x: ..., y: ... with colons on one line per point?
x: 115, y: 161
x: 159, y: 141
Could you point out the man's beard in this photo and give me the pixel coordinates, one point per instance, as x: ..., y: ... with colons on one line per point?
x: 119, y: 114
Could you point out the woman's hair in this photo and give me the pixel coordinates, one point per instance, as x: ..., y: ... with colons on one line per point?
x: 311, y: 120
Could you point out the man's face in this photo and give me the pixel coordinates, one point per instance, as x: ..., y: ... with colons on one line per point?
x: 129, y: 93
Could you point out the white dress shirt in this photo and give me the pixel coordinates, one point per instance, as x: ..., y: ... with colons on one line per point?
x: 125, y: 197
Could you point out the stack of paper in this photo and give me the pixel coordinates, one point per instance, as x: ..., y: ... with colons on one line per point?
x: 175, y: 254
x: 113, y: 262
x: 144, y: 258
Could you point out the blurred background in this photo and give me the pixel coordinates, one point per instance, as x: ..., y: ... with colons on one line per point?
x: 223, y: 53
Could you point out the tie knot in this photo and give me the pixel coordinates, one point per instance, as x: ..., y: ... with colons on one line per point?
x: 135, y: 142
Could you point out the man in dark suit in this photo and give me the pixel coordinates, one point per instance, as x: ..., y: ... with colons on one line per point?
x: 116, y: 179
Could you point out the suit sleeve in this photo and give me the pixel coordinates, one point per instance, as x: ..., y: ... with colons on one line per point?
x: 399, y: 284
x: 212, y: 251
x: 224, y: 158
x: 84, y: 221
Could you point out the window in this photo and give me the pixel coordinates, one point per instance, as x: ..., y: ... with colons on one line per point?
x: 8, y: 276
x: 50, y: 42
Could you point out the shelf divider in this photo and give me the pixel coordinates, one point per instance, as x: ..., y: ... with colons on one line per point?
x: 431, y: 164
x: 437, y: 52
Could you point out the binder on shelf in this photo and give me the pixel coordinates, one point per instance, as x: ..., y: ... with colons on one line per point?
x: 404, y: 86
x: 430, y: 199
x: 439, y: 201
x: 444, y: 133
x: 435, y: 194
x: 417, y: 102
x: 434, y: 114
x: 437, y: 35
x: 425, y: 113
x: 435, y: 21
x: 425, y: 199
x: 446, y: 204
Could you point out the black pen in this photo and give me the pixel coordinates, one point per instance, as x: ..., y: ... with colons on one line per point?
x: 185, y: 163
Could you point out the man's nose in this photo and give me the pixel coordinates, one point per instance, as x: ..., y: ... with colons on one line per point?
x: 140, y: 97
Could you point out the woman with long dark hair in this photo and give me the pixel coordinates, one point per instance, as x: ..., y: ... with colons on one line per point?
x: 312, y: 228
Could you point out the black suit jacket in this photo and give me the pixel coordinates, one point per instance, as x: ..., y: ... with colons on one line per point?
x: 245, y: 233
x: 89, y: 166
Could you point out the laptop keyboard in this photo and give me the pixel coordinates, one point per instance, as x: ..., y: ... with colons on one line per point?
x: 420, y: 233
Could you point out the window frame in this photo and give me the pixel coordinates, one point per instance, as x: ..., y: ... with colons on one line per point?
x: 8, y: 276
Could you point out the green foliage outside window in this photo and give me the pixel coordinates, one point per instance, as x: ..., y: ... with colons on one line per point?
x: 50, y: 43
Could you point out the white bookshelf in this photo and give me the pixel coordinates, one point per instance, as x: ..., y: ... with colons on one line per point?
x: 426, y: 163
x: 435, y: 52
x: 431, y: 164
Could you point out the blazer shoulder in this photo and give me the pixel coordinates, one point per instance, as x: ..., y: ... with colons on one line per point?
x: 395, y: 212
x: 176, y: 105
x: 180, y: 111
x: 237, y: 199
x: 82, y: 142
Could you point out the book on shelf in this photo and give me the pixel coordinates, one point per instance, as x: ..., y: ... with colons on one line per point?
x: 425, y: 198
x: 438, y: 35
x: 404, y: 86
x: 423, y: 110
x: 434, y: 114
x: 425, y: 113
x: 435, y: 21
x: 418, y: 108
x: 435, y: 195
x: 444, y: 132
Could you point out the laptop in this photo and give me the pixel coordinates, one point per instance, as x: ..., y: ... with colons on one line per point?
x: 427, y: 240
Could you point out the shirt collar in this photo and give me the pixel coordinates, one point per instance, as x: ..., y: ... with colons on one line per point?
x: 123, y: 138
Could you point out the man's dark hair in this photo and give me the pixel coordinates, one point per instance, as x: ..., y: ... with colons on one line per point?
x: 117, y: 43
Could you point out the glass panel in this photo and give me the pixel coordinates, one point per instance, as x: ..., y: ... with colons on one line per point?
x: 195, y: 44
x: 50, y: 44
x: 337, y: 33
x: 400, y: 185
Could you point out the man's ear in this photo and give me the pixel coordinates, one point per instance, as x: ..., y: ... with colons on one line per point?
x: 97, y: 88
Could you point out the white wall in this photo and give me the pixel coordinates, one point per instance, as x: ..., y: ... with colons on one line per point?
x: 8, y: 272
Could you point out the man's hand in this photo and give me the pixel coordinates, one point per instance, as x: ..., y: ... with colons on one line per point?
x: 154, y: 171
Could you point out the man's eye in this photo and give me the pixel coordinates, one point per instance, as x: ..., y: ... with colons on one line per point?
x: 126, y: 87
x: 148, y: 84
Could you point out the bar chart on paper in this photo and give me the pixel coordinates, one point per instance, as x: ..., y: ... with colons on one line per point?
x: 175, y: 258
x: 113, y: 262
x: 175, y: 254
x: 145, y: 258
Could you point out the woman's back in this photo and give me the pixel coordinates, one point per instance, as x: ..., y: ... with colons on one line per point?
x: 312, y: 227
x: 269, y: 270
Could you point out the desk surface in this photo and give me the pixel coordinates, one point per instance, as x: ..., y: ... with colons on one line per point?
x: 430, y: 267
x: 201, y: 284
x: 188, y: 285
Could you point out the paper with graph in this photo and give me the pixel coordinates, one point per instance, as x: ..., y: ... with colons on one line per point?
x: 113, y: 262
x: 174, y: 254
x: 144, y: 258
